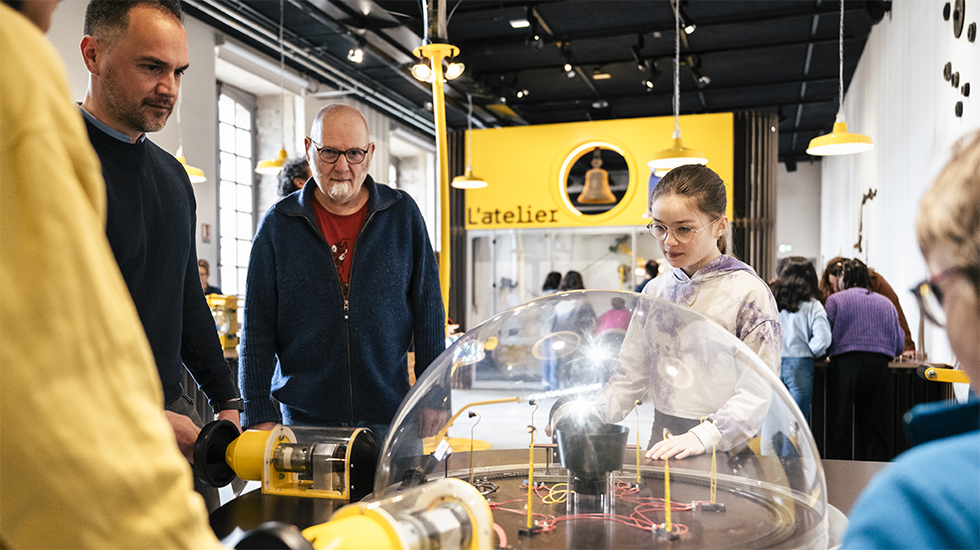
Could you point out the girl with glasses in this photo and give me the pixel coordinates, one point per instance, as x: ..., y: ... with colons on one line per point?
x: 689, y: 222
x: 928, y: 498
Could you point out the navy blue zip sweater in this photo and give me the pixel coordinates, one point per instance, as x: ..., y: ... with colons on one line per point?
x: 151, y: 216
x: 299, y: 342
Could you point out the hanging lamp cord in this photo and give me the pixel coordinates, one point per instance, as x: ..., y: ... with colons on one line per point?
x: 282, y: 68
x: 840, y: 67
x: 677, y: 67
x: 180, y: 135
x: 469, y: 133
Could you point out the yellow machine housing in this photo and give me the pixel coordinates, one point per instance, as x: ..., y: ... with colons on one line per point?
x: 306, y: 461
x: 303, y: 461
x: 446, y: 513
x: 224, y: 309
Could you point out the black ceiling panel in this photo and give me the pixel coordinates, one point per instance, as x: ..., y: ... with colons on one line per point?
x: 778, y: 56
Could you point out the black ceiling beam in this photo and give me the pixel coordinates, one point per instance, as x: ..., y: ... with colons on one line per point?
x: 719, y: 89
x: 701, y: 53
x: 246, y: 27
x: 632, y: 31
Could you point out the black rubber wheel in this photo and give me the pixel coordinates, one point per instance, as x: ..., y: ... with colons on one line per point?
x: 210, y: 466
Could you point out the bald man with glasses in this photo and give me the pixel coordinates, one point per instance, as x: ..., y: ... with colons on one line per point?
x: 341, y: 281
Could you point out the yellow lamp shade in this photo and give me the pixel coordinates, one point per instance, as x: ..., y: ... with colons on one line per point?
x: 196, y: 175
x: 839, y: 142
x: 678, y: 155
x: 272, y: 167
x: 468, y: 181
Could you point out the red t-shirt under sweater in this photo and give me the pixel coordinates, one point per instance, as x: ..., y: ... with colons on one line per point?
x: 341, y: 234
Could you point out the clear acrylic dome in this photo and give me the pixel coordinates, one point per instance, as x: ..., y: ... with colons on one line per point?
x: 612, y: 368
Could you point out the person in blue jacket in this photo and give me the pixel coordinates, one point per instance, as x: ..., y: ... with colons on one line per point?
x: 929, y: 497
x: 341, y: 282
x: 806, y: 330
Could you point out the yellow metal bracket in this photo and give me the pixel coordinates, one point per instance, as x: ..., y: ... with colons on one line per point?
x: 937, y: 374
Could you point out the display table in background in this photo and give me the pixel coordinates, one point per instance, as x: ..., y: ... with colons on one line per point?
x: 905, y: 389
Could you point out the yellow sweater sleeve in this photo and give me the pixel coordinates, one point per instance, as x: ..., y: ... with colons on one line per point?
x: 87, y: 457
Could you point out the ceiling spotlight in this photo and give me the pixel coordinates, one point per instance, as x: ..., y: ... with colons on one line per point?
x: 422, y: 71
x: 600, y: 104
x: 355, y: 55
x: 640, y: 64
x: 703, y: 81
x: 690, y: 28
x: 453, y: 70
x: 648, y: 84
x: 570, y: 73
x: 521, y: 23
x: 503, y: 99
x: 598, y: 74
x: 568, y: 67
x: 522, y: 94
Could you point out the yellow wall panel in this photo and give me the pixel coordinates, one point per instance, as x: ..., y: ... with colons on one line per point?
x: 524, y: 168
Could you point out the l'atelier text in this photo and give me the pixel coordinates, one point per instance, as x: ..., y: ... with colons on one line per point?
x: 527, y: 215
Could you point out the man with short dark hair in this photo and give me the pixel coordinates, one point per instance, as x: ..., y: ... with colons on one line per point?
x: 136, y: 53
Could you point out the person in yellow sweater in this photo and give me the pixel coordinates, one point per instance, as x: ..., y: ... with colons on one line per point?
x: 88, y: 459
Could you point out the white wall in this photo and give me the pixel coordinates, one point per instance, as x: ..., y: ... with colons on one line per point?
x: 798, y: 210
x: 899, y: 98
x: 198, y: 110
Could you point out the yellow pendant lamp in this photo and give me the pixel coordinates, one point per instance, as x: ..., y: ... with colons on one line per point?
x: 840, y: 141
x: 468, y: 180
x: 195, y: 174
x: 274, y: 166
x: 677, y: 155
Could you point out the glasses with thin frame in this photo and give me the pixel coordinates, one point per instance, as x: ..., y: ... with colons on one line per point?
x: 330, y: 155
x: 930, y: 296
x: 683, y: 234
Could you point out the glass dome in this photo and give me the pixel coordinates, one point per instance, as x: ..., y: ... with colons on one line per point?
x: 616, y: 372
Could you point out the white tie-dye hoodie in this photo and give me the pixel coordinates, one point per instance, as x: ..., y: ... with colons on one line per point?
x: 704, y: 380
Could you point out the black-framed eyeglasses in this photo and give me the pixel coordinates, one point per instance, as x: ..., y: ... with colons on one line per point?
x: 683, y: 234
x: 330, y: 155
x: 930, y: 296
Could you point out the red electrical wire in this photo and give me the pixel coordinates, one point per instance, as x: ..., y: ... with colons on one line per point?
x: 501, y: 536
x: 637, y: 519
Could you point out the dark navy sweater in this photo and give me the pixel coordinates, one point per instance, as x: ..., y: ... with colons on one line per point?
x: 151, y: 216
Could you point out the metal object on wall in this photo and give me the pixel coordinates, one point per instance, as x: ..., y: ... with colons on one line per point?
x: 754, y: 190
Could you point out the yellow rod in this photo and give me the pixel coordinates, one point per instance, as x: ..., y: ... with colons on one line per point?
x: 637, y: 409
x: 667, y: 488
x: 530, y: 482
x: 436, y: 53
x: 714, y: 475
x: 442, y: 432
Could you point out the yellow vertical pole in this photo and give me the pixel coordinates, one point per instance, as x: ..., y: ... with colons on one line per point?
x: 436, y: 53
x: 636, y: 404
x: 530, y: 483
x: 667, y: 488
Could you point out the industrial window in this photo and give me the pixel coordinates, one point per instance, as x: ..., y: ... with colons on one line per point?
x: 236, y: 197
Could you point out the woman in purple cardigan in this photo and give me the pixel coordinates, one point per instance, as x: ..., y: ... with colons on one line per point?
x: 865, y: 336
